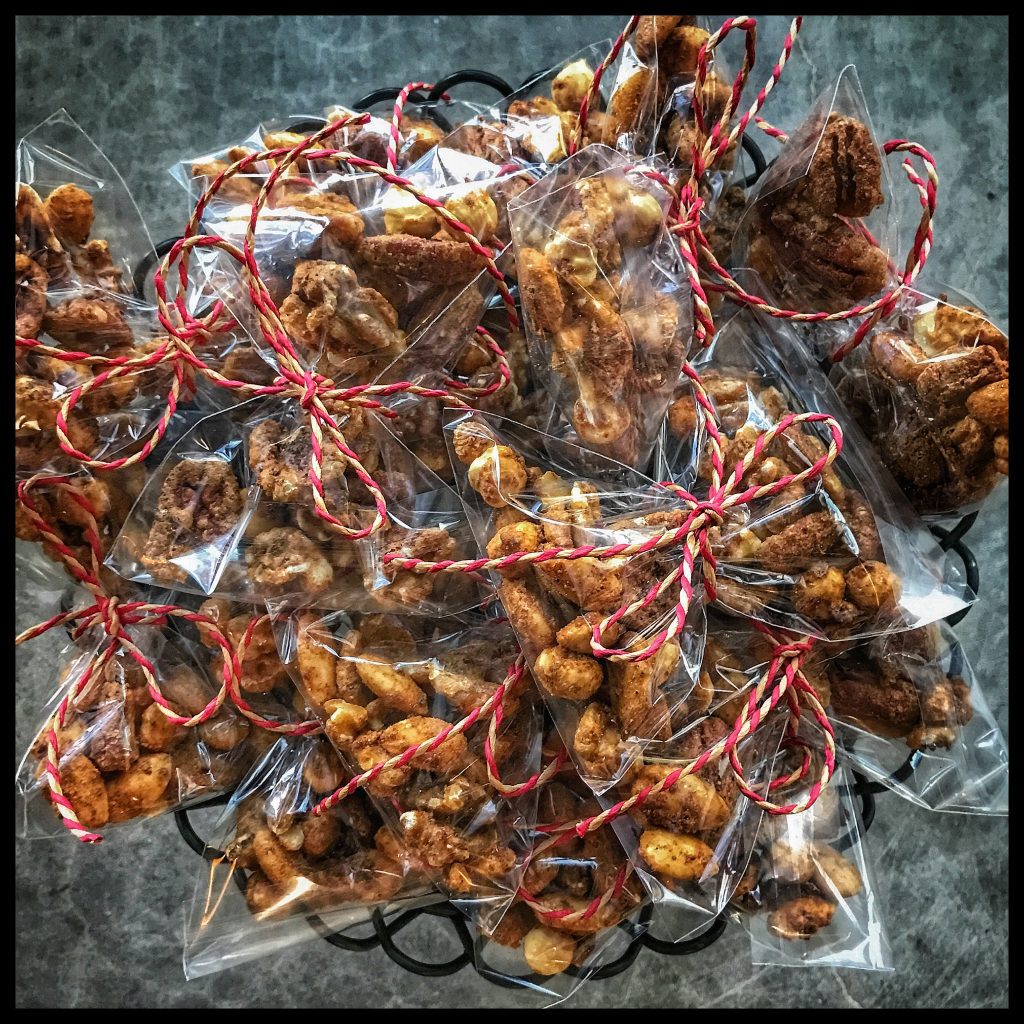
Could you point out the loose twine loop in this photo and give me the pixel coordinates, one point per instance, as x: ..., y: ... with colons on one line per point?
x: 112, y: 615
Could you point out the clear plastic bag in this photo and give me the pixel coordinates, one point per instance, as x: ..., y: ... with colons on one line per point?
x: 930, y: 388
x: 821, y: 229
x: 537, y: 944
x: 120, y: 758
x: 840, y: 556
x: 525, y: 492
x: 229, y: 512
x: 275, y: 875
x: 810, y: 896
x: 914, y: 718
x: 382, y: 684
x: 605, y: 297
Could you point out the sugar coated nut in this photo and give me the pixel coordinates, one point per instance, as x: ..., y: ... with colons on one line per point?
x: 498, y: 474
x: 404, y: 215
x: 83, y: 786
x: 801, y: 918
x: 792, y: 862
x: 872, y: 585
x: 568, y: 675
x: 476, y: 210
x: 833, y: 872
x: 547, y: 951
x: 139, y: 788
x: 683, y: 858
x: 571, y: 84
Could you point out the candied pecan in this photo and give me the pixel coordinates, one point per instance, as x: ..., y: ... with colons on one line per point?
x: 891, y: 707
x: 845, y: 174
x: 30, y: 283
x: 440, y: 261
x: 200, y: 503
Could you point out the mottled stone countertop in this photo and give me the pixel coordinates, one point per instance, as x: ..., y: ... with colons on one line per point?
x: 103, y: 927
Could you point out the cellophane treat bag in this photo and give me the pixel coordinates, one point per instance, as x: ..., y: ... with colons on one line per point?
x: 930, y: 387
x: 841, y: 555
x: 605, y: 300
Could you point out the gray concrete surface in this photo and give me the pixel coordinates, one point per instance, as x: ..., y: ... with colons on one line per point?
x: 102, y: 927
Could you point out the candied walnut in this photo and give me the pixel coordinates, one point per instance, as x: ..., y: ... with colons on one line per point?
x: 286, y: 559
x: 626, y: 105
x: 94, y: 263
x: 963, y: 327
x: 800, y: 544
x: 280, y: 461
x: 88, y: 323
x: 441, y: 261
x: 690, y: 805
x: 30, y: 283
x: 538, y: 286
x: 344, y: 225
x: 433, y: 544
x: 437, y: 844
x: 69, y: 210
x: 595, y: 584
x: 873, y: 586
x: 567, y: 675
x: 680, y: 858
x: 200, y: 503
x: 327, y: 306
x: 801, y: 918
x: 845, y: 173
